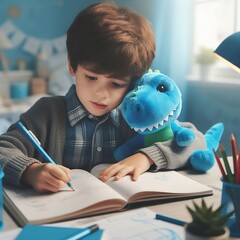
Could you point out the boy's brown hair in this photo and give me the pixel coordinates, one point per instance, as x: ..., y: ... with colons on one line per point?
x: 108, y: 39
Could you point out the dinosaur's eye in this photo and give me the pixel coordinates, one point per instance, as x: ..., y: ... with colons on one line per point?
x: 161, y: 88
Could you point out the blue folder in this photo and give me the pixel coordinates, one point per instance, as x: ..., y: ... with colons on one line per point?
x: 37, y: 232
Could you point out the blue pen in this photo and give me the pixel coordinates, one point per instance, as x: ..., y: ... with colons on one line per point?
x: 170, y: 220
x: 84, y: 232
x: 33, y: 139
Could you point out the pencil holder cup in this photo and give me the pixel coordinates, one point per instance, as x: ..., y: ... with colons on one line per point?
x: 1, y: 199
x: 231, y: 201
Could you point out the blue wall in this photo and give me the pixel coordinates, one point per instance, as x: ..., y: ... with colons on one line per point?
x: 43, y: 20
x: 48, y: 20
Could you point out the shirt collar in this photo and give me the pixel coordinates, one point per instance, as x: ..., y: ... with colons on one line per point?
x: 76, y: 111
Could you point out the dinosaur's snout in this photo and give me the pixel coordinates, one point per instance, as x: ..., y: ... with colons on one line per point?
x: 138, y: 108
x: 132, y: 106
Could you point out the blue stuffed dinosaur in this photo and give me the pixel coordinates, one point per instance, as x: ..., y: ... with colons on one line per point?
x: 152, y: 109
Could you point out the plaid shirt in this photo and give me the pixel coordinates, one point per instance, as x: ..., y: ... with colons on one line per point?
x: 90, y: 140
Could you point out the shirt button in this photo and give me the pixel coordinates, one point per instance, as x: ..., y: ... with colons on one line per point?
x: 90, y: 116
x: 99, y: 149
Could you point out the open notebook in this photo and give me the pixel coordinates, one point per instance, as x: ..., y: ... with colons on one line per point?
x: 92, y: 196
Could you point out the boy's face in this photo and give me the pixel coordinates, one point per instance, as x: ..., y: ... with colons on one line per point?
x: 99, y: 93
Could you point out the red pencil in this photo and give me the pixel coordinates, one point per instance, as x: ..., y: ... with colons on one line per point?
x: 220, y: 164
x: 238, y: 168
x: 234, y: 153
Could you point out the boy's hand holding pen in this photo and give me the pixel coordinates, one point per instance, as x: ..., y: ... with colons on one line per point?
x: 44, y: 177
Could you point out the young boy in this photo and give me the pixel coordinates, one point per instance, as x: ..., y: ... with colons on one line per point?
x: 108, y: 49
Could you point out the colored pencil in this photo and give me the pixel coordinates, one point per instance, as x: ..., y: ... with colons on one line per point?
x: 238, y: 168
x: 170, y: 220
x: 227, y: 167
x: 220, y: 165
x: 234, y: 153
x: 83, y: 233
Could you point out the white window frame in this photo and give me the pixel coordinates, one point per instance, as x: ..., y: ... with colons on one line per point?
x: 214, y: 20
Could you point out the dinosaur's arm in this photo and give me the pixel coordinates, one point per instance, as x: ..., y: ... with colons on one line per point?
x: 168, y: 155
x: 183, y: 136
x: 129, y: 147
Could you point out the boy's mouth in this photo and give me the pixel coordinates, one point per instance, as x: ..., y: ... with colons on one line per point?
x: 98, y: 105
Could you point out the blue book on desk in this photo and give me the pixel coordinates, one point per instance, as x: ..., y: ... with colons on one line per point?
x: 37, y: 232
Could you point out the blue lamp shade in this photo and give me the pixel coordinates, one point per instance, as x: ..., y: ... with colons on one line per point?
x: 229, y: 51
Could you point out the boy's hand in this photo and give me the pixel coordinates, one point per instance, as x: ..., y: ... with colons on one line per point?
x: 133, y: 165
x: 46, y: 177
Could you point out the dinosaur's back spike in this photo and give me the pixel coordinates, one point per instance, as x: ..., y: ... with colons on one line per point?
x: 213, y: 136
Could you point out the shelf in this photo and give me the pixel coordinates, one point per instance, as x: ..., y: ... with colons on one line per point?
x: 18, y: 75
x: 6, y: 78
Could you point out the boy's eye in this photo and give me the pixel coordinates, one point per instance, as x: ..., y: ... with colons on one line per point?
x: 117, y: 85
x: 91, y: 78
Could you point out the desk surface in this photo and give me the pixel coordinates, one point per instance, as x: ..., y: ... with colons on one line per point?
x: 173, y: 209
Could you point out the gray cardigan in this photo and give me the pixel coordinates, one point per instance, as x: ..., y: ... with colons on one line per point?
x: 47, y: 120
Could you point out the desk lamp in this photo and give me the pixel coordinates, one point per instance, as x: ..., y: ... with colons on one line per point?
x: 4, y: 43
x: 229, y: 51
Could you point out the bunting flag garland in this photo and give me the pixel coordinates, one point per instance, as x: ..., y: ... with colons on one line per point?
x: 60, y: 43
x: 32, y: 44
x: 8, y: 27
x: 47, y: 47
x: 17, y: 37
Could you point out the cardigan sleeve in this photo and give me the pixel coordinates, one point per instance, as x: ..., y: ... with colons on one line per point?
x: 168, y: 155
x: 17, y: 153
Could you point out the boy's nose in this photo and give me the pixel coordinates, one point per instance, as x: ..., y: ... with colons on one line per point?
x: 102, y: 92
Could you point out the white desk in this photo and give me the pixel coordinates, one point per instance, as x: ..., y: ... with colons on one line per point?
x: 173, y: 209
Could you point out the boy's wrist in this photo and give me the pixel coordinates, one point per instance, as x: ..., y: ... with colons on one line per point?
x: 145, y: 158
x: 28, y: 173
